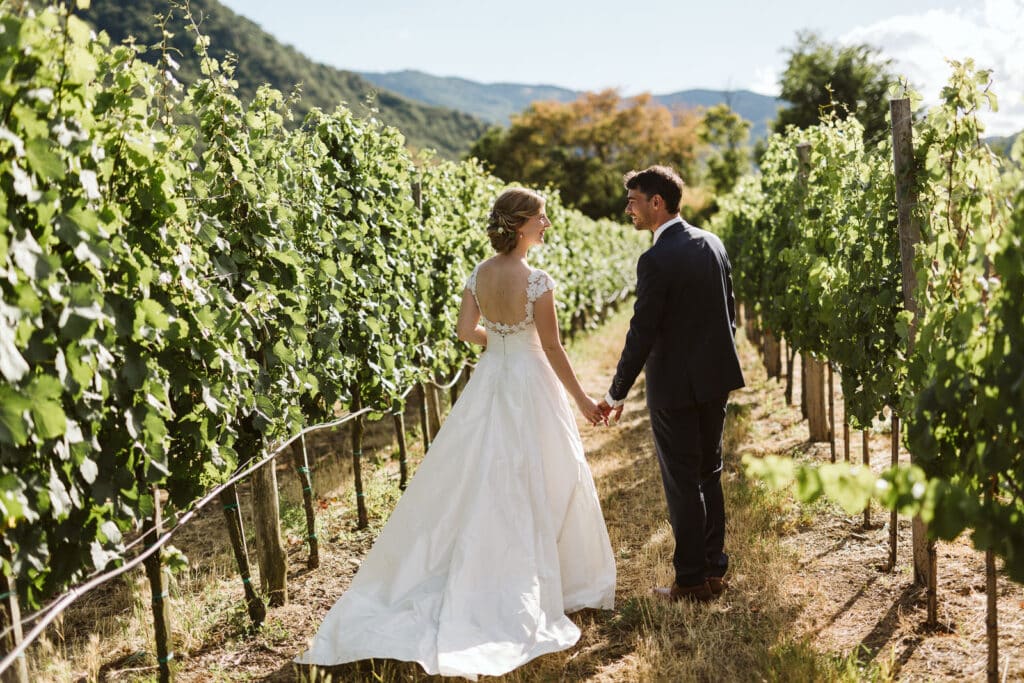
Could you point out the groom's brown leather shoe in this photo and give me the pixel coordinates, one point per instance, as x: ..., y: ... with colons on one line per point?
x: 699, y: 593
x: 717, y: 584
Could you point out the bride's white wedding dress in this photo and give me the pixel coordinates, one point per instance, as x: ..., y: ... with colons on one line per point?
x: 497, y: 536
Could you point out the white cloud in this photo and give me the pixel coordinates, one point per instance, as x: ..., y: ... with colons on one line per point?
x: 991, y: 34
x: 765, y: 79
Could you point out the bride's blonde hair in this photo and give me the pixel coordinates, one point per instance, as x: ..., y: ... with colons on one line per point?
x: 512, y: 208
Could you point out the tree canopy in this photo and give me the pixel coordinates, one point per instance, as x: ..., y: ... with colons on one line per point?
x: 584, y: 147
x: 727, y: 133
x: 854, y: 79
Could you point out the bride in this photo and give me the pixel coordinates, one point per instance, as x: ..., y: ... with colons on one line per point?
x: 500, y: 532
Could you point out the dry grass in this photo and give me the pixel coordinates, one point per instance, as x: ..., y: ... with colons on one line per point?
x: 805, y: 603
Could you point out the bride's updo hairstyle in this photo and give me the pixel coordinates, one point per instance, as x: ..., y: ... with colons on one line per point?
x: 512, y: 208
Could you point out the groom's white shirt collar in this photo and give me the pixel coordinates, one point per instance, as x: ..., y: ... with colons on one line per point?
x: 664, y: 226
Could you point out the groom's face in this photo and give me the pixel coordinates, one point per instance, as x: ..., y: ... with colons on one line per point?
x: 639, y: 208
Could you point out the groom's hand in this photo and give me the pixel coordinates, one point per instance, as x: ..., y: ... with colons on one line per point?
x: 607, y: 410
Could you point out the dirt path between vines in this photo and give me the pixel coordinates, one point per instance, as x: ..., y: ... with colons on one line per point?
x: 807, y: 601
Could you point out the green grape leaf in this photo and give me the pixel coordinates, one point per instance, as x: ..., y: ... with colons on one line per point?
x: 13, y: 409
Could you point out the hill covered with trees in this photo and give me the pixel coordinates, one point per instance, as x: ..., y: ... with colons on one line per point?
x: 264, y: 59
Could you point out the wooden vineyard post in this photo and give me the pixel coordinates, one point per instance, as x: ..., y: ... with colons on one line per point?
x: 803, y: 153
x: 357, y: 459
x: 433, y: 409
x: 421, y: 389
x: 831, y: 414
x: 910, y: 237
x: 301, y: 459
x: 992, y: 601
x: 266, y: 516
x: 403, y: 451
x: 151, y: 529
x: 817, y: 416
x: 784, y: 357
x: 233, y: 517
x: 772, y: 355
x: 10, y: 616
x: 932, y: 581
x: 846, y: 436
x: 750, y: 317
x: 866, y: 459
x: 803, y: 385
x: 893, y: 517
x: 790, y: 362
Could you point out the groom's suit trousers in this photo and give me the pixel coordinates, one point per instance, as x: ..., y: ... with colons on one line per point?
x: 689, y: 445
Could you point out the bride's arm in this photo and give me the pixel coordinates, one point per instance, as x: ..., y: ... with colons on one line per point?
x: 547, y: 329
x: 468, y: 327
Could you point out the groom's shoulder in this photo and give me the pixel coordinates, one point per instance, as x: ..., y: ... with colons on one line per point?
x: 691, y: 233
x: 675, y: 237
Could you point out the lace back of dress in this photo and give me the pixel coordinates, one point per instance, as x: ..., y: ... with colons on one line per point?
x: 537, y: 283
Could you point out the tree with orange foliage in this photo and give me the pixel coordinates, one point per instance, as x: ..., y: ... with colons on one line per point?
x: 583, y: 148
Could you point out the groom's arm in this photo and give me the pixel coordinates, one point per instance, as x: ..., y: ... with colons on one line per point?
x: 730, y: 296
x: 651, y: 292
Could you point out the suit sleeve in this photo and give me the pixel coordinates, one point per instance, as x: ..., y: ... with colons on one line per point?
x: 730, y: 295
x: 651, y: 293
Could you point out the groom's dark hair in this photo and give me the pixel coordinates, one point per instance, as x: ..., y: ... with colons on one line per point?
x: 654, y: 180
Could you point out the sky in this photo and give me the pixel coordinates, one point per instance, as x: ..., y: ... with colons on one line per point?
x: 657, y: 46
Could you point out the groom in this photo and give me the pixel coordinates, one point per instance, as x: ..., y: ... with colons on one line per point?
x: 683, y: 324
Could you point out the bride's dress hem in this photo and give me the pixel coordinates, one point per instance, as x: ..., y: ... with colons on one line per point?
x: 391, y: 652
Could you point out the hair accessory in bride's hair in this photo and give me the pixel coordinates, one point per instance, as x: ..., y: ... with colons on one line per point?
x: 498, y: 222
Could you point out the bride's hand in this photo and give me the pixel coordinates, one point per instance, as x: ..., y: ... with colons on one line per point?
x: 591, y: 411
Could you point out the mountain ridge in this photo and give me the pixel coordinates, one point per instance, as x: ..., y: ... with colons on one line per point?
x: 496, y: 102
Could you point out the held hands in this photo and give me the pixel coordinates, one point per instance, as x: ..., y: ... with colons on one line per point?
x: 607, y: 410
x: 598, y: 413
x: 591, y: 411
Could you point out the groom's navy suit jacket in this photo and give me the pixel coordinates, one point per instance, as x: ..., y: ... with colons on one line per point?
x: 683, y: 322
